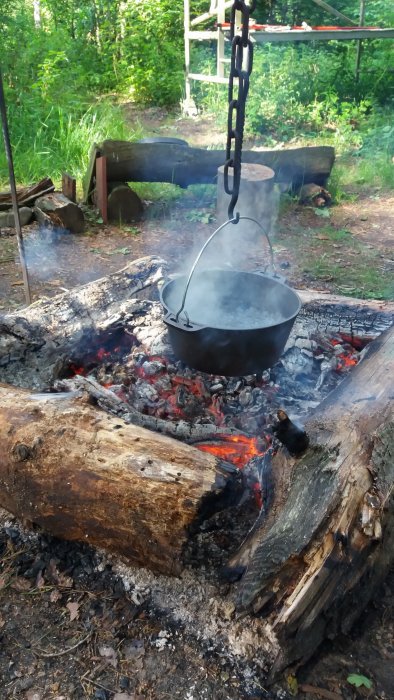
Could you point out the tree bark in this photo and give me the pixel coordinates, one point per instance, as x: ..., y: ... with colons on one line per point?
x: 57, y: 210
x: 84, y: 475
x: 315, y: 559
x: 163, y: 162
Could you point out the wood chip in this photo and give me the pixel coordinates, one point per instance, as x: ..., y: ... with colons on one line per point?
x: 320, y: 692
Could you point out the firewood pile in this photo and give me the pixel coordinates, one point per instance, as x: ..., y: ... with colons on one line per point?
x: 40, y: 202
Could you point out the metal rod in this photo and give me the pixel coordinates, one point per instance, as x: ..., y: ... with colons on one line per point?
x: 8, y: 150
x: 332, y: 11
x: 235, y: 220
x: 359, y: 43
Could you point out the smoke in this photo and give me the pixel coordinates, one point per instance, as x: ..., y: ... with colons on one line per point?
x: 229, y: 299
x: 241, y: 246
x: 45, y: 254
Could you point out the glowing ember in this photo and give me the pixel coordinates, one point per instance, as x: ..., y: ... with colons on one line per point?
x: 237, y: 449
x: 347, y: 358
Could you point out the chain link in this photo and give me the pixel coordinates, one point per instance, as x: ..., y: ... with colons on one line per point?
x: 241, y: 68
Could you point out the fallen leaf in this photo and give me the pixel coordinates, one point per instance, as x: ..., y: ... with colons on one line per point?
x: 110, y: 654
x: 20, y: 584
x: 123, y: 696
x: 123, y: 251
x: 359, y: 680
x: 40, y: 580
x: 73, y: 608
x: 55, y: 595
x: 292, y: 685
x: 33, y: 695
x: 2, y: 621
x: 324, y: 213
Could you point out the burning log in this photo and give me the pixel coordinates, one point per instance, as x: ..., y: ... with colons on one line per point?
x: 36, y: 344
x: 317, y: 557
x: 84, y: 475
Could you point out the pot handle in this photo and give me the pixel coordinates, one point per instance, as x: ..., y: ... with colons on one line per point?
x: 235, y: 220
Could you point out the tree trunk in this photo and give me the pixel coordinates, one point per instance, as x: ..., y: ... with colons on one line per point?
x: 325, y: 544
x: 84, y: 475
x: 163, y: 162
x: 56, y: 210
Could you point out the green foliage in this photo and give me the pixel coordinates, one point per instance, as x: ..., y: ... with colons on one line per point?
x: 56, y: 75
x: 358, y: 680
x: 302, y: 89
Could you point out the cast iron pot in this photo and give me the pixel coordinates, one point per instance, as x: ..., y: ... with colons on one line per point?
x: 242, y: 329
x: 226, y: 321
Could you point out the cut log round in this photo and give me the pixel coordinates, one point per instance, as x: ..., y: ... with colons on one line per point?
x: 84, y: 475
x: 326, y: 543
x: 257, y: 199
x: 60, y: 211
x: 124, y: 205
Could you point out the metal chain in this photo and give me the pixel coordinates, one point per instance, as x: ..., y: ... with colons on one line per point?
x: 241, y: 68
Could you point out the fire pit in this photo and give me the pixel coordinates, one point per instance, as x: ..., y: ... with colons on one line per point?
x: 100, y: 463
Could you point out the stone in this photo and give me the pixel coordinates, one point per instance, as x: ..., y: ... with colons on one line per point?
x: 7, y: 217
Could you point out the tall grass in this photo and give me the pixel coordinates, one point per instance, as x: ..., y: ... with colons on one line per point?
x: 50, y: 139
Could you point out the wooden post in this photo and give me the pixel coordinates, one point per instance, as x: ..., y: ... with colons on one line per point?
x: 101, y: 187
x: 69, y: 187
x: 220, y: 41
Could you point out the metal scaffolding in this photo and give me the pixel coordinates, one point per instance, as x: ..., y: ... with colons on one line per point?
x: 262, y: 34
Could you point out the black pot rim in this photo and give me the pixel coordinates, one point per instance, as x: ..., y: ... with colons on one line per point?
x: 193, y: 326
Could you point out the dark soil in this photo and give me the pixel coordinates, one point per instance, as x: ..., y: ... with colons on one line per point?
x: 69, y: 629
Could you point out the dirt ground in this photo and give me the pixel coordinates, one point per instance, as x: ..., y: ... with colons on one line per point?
x: 69, y: 628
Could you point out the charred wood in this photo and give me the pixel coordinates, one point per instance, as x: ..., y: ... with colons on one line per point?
x: 84, y: 475
x: 325, y: 544
x: 27, y: 195
x: 36, y: 344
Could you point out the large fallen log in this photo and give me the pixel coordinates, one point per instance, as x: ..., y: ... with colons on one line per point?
x: 84, y: 475
x: 180, y: 165
x: 326, y: 543
x: 36, y: 343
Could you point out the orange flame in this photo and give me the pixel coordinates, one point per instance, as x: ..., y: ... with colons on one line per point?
x: 237, y: 449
